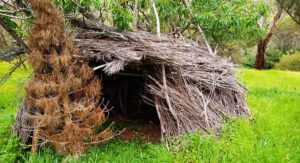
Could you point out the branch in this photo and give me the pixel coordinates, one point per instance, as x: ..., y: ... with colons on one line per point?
x: 11, y: 71
x: 14, y: 11
x: 292, y: 12
x: 86, y: 12
x: 165, y: 86
x: 199, y: 29
x: 14, y: 17
x: 13, y: 34
x: 185, y: 28
x: 135, y: 13
x: 273, y: 28
x: 5, y: 2
x: 11, y: 53
x: 157, y: 18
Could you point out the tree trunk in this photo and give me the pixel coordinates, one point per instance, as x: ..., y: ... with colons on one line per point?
x: 263, y: 43
x: 260, y: 55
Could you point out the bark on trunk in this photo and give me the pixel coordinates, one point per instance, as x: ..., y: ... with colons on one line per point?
x: 263, y: 43
x: 260, y: 55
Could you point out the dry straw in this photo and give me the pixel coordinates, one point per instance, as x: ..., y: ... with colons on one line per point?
x: 202, y: 88
x: 62, y: 98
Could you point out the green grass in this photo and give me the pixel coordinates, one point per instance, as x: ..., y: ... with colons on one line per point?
x: 272, y: 134
x: 11, y: 94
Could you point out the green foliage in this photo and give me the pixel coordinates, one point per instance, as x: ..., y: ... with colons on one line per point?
x: 222, y: 21
x: 13, y: 25
x: 249, y: 61
x: 292, y: 7
x: 171, y: 14
x: 9, y: 149
x: 271, y: 58
x: 19, y: 27
x: 230, y: 20
x: 11, y: 94
x: 72, y: 6
x: 287, y: 36
x: 122, y: 17
x: 289, y: 62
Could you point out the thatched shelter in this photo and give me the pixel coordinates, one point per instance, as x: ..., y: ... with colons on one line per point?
x: 201, y: 89
x: 173, y: 80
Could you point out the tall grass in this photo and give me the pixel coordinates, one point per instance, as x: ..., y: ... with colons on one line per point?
x: 11, y: 93
x: 271, y: 134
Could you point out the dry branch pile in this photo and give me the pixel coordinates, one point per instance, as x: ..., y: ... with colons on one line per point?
x: 62, y: 98
x: 201, y: 88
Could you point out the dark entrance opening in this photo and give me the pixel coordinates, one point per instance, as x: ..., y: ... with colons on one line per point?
x: 125, y: 92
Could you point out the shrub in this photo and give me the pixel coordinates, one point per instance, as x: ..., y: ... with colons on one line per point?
x: 289, y: 62
x: 271, y: 58
x: 248, y: 61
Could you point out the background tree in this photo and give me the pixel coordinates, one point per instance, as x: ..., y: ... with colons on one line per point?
x: 221, y: 21
x: 292, y: 7
x: 287, y: 36
x: 263, y: 43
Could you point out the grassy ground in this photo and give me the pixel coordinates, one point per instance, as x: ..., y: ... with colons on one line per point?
x: 272, y: 134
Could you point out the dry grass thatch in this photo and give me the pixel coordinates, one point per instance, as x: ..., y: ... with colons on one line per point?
x: 190, y: 89
x: 201, y: 89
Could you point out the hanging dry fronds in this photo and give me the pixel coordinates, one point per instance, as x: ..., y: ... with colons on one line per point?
x: 63, y: 95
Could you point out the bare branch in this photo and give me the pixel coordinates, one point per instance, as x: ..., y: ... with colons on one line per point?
x: 157, y: 18
x: 135, y: 13
x: 14, y: 11
x: 4, y: 78
x: 11, y: 53
x: 13, y: 34
x: 199, y: 29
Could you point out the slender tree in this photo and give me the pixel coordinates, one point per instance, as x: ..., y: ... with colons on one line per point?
x: 263, y: 42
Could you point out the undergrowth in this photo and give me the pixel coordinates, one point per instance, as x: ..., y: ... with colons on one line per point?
x: 271, y: 134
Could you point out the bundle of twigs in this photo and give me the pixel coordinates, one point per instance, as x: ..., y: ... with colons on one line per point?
x: 201, y: 88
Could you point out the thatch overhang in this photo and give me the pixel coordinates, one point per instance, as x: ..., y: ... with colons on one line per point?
x: 190, y: 89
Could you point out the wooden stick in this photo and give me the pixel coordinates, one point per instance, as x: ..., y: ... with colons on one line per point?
x: 35, y: 140
x: 157, y: 18
x: 165, y: 86
x: 135, y: 13
x: 13, y: 34
x: 199, y: 29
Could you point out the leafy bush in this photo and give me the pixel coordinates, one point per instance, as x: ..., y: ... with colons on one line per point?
x: 271, y: 58
x: 248, y: 61
x: 122, y: 17
x: 289, y: 62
